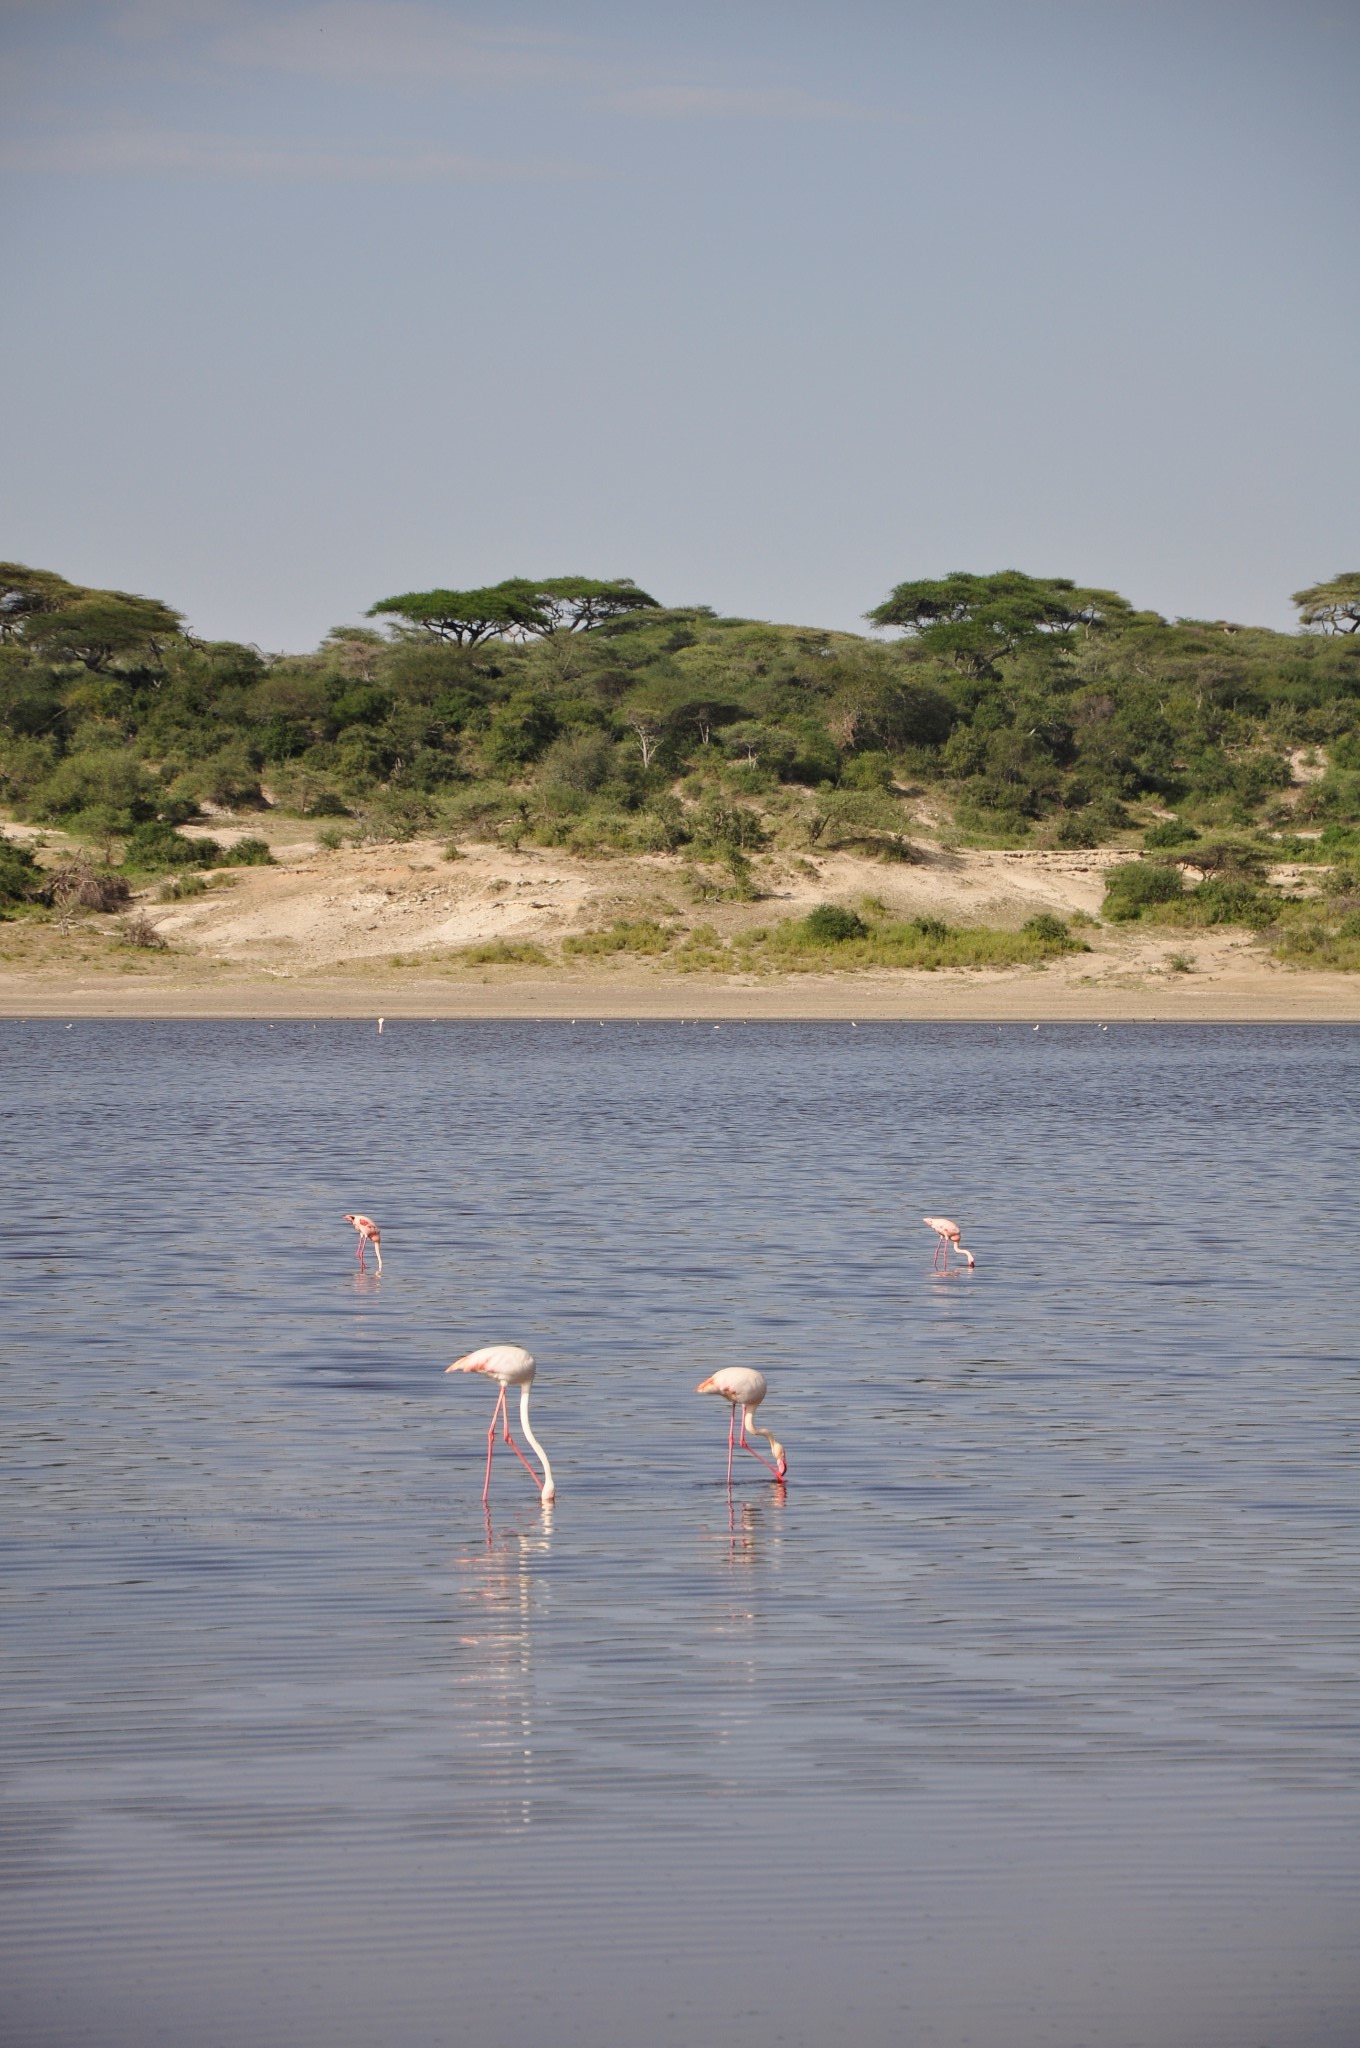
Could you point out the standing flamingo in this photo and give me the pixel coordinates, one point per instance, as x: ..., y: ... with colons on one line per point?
x: 946, y: 1233
x: 745, y: 1388
x: 513, y: 1367
x: 369, y: 1233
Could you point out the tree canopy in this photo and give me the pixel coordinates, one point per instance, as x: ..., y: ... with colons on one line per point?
x: 466, y: 617
x: 575, y: 711
x: 579, y: 603
x: 520, y: 605
x: 24, y: 592
x: 65, y: 622
x: 973, y: 620
x: 1334, y: 606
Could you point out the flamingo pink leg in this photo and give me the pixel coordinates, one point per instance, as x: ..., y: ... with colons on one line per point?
x: 752, y: 1449
x: 731, y: 1437
x: 507, y: 1438
x: 498, y: 1410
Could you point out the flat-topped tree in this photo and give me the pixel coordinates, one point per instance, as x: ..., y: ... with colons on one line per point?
x: 576, y: 603
x: 25, y: 593
x: 101, y: 627
x: 1332, y: 607
x: 540, y: 606
x: 466, y: 616
x: 973, y: 621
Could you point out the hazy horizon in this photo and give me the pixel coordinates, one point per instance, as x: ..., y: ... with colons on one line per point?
x: 768, y: 309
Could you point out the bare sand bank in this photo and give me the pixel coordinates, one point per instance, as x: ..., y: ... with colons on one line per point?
x: 1252, y: 996
x: 384, y: 930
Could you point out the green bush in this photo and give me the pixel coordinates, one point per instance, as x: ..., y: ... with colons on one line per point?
x: 113, y: 783
x: 867, y: 771
x: 20, y: 876
x: 155, y: 845
x: 830, y: 924
x: 1229, y: 900
x: 1171, y: 832
x: 248, y: 853
x: 1045, y: 926
x: 1138, y: 887
x: 1078, y: 831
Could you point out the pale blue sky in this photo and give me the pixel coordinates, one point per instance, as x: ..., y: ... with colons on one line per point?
x: 767, y: 306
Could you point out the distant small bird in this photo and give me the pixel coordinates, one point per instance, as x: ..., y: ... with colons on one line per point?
x: 946, y: 1233
x: 369, y: 1233
x: 512, y: 1366
x: 380, y: 1024
x: 745, y: 1388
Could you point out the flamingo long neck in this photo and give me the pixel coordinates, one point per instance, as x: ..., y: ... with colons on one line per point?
x: 549, y: 1490
x: 756, y: 1430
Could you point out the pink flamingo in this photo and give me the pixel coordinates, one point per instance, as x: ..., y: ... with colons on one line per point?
x: 745, y: 1388
x: 512, y: 1367
x: 369, y: 1233
x: 946, y: 1233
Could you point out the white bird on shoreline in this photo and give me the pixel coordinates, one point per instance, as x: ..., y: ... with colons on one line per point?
x: 511, y: 1366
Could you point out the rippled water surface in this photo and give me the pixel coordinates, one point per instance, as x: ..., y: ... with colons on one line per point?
x: 1024, y: 1715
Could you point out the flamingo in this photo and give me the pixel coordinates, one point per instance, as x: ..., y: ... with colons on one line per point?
x: 946, y: 1233
x: 513, y: 1367
x: 369, y: 1233
x: 745, y: 1388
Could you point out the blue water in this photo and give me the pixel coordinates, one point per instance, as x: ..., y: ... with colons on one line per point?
x: 1025, y: 1715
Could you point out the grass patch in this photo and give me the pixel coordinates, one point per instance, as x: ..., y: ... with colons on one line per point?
x: 501, y: 952
x: 642, y: 936
x: 921, y: 942
x: 1324, y: 935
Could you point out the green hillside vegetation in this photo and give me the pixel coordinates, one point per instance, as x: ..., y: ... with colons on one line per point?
x: 581, y: 713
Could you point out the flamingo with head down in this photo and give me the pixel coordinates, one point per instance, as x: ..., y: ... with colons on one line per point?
x: 511, y: 1366
x: 745, y: 1388
x: 946, y: 1233
x: 369, y: 1233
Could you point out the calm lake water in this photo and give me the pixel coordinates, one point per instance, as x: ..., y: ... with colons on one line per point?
x: 1023, y: 1716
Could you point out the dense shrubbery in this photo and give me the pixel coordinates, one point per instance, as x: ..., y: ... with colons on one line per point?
x: 1037, y: 711
x: 20, y: 876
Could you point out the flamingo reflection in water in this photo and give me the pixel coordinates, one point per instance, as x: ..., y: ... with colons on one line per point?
x: 512, y: 1366
x: 745, y: 1388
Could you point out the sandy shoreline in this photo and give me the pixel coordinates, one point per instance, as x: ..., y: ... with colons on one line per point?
x: 377, y: 930
x: 1257, y: 995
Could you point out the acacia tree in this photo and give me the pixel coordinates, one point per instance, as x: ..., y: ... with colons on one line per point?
x: 520, y: 605
x: 577, y: 603
x: 1332, y: 607
x: 466, y: 616
x: 25, y: 593
x: 648, y: 727
x: 972, y: 621
x: 100, y: 627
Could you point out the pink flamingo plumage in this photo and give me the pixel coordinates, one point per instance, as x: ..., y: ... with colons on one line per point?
x: 512, y: 1367
x: 369, y: 1233
x: 946, y: 1233
x: 745, y: 1388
